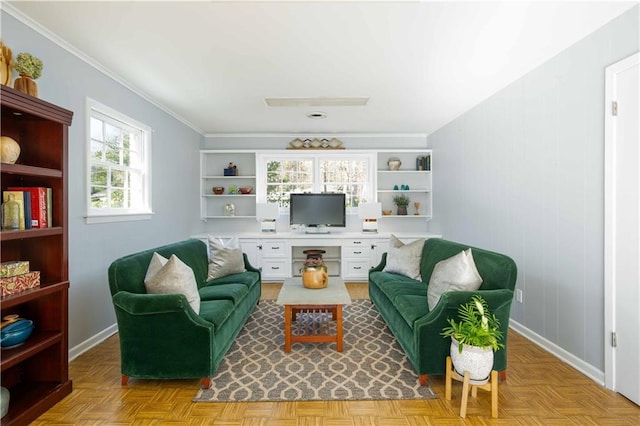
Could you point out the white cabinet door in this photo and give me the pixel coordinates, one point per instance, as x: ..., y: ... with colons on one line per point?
x: 252, y: 249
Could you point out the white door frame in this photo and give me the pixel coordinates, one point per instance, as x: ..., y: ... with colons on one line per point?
x: 609, y: 214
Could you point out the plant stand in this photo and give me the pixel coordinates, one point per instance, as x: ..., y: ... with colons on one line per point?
x: 490, y: 384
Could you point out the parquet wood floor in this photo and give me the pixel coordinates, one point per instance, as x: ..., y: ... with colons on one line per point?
x: 540, y: 390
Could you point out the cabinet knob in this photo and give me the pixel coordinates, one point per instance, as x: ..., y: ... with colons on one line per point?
x: 373, y: 246
x: 275, y: 267
x: 357, y: 252
x: 260, y: 247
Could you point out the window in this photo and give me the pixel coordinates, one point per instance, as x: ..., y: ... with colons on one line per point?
x: 118, y: 159
x: 320, y: 172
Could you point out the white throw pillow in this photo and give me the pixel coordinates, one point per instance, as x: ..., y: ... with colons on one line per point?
x: 157, y: 262
x: 403, y: 258
x: 458, y: 272
x: 175, y: 277
x: 225, y: 258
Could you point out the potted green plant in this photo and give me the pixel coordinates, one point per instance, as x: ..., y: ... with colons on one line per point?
x: 402, y: 201
x: 30, y: 68
x: 474, y: 339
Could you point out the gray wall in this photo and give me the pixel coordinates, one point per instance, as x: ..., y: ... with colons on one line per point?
x: 67, y: 81
x: 522, y: 173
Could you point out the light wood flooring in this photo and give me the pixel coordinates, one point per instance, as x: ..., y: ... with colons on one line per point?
x: 540, y: 390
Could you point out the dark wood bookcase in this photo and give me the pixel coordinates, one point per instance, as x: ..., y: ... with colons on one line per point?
x: 37, y: 372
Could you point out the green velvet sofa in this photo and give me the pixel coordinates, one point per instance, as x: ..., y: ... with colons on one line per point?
x: 402, y: 303
x: 161, y: 337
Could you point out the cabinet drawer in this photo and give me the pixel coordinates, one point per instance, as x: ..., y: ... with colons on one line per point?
x: 275, y: 268
x: 356, y: 243
x: 356, y: 252
x: 356, y: 269
x: 274, y: 248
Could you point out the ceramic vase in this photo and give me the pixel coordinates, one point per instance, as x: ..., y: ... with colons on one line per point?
x: 26, y: 84
x: 315, y: 277
x: 402, y: 210
x: 476, y: 360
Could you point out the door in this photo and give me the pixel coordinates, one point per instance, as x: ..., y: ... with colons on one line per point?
x: 622, y: 228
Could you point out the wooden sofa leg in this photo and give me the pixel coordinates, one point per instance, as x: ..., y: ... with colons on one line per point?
x: 503, y: 375
x: 206, y: 383
x: 423, y: 379
x: 125, y: 380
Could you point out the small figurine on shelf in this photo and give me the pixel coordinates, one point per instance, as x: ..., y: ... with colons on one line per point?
x: 231, y: 170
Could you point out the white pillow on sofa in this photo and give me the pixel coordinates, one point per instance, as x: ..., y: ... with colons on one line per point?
x: 458, y: 272
x: 157, y: 262
x: 175, y: 277
x: 404, y: 259
x: 225, y: 258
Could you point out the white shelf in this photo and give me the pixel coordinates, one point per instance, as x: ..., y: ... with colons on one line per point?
x: 403, y: 190
x: 229, y: 195
x: 229, y: 217
x: 227, y: 177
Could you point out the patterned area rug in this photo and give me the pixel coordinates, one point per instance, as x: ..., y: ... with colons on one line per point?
x: 371, y: 366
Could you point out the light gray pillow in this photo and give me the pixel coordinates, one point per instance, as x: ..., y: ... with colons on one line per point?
x: 175, y: 277
x: 157, y: 262
x: 225, y: 258
x: 404, y: 259
x: 458, y: 272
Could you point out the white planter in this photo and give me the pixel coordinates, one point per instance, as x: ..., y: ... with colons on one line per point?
x: 477, y: 361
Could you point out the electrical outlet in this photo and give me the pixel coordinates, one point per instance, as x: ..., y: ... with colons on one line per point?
x: 518, y: 295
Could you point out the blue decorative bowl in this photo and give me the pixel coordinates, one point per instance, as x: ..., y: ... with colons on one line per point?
x: 16, y: 333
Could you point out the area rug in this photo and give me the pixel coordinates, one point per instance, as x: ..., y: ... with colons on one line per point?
x: 372, y: 365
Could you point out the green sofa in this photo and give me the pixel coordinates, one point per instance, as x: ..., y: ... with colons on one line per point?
x: 402, y: 303
x: 161, y: 337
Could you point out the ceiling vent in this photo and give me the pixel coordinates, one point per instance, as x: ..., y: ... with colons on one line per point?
x: 317, y: 102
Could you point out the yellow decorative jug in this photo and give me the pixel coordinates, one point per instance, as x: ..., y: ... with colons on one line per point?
x: 315, y: 277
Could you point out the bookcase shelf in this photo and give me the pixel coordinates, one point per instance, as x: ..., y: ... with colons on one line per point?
x: 37, y: 372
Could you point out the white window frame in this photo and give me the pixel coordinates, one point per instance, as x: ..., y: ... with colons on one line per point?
x: 105, y: 215
x: 316, y: 157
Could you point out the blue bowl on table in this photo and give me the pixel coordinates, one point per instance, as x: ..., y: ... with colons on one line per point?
x: 16, y: 333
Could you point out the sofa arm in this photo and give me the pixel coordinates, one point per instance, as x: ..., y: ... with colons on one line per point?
x: 156, y: 304
x: 247, y: 265
x: 381, y: 265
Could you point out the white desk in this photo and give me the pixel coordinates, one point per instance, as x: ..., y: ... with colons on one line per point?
x: 349, y: 255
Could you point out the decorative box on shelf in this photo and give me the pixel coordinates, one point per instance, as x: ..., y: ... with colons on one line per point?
x: 13, y: 268
x: 19, y: 283
x: 231, y: 170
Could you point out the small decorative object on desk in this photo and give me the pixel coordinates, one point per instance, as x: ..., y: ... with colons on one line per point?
x: 394, y: 163
x: 10, y: 150
x: 231, y: 170
x: 30, y: 68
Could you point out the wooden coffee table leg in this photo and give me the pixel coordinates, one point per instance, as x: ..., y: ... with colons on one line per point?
x: 287, y: 328
x: 338, y: 311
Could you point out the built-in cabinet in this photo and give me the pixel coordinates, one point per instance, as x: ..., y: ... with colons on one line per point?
x: 412, y: 174
x: 212, y: 174
x: 36, y: 372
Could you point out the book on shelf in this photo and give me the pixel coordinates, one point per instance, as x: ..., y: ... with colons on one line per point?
x: 38, y: 196
x: 49, y: 207
x: 12, y: 210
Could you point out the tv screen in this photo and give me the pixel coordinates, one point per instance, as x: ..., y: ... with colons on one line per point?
x: 317, y: 209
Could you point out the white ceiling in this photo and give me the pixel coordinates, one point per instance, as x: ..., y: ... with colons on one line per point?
x: 420, y: 63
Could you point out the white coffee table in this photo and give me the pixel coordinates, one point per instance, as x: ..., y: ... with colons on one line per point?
x: 296, y: 299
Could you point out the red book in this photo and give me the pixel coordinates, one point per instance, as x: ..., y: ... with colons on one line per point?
x: 38, y: 204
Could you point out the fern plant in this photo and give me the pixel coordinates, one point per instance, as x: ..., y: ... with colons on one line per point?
x: 477, y: 327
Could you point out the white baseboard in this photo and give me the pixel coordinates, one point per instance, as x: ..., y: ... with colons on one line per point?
x: 94, y: 340
x: 577, y: 363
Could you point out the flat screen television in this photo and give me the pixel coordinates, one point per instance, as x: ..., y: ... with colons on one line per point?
x: 317, y: 211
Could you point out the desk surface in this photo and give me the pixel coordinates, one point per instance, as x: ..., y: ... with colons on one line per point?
x: 294, y: 293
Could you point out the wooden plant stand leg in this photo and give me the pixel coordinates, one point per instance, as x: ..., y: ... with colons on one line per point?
x: 465, y: 394
x: 491, y: 385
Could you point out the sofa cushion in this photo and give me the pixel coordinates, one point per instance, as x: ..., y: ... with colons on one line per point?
x: 248, y: 278
x: 393, y: 289
x: 458, y: 272
x: 404, y: 258
x: 225, y: 258
x: 411, y: 307
x: 216, y: 311
x: 175, y: 277
x: 233, y: 292
x: 380, y: 277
